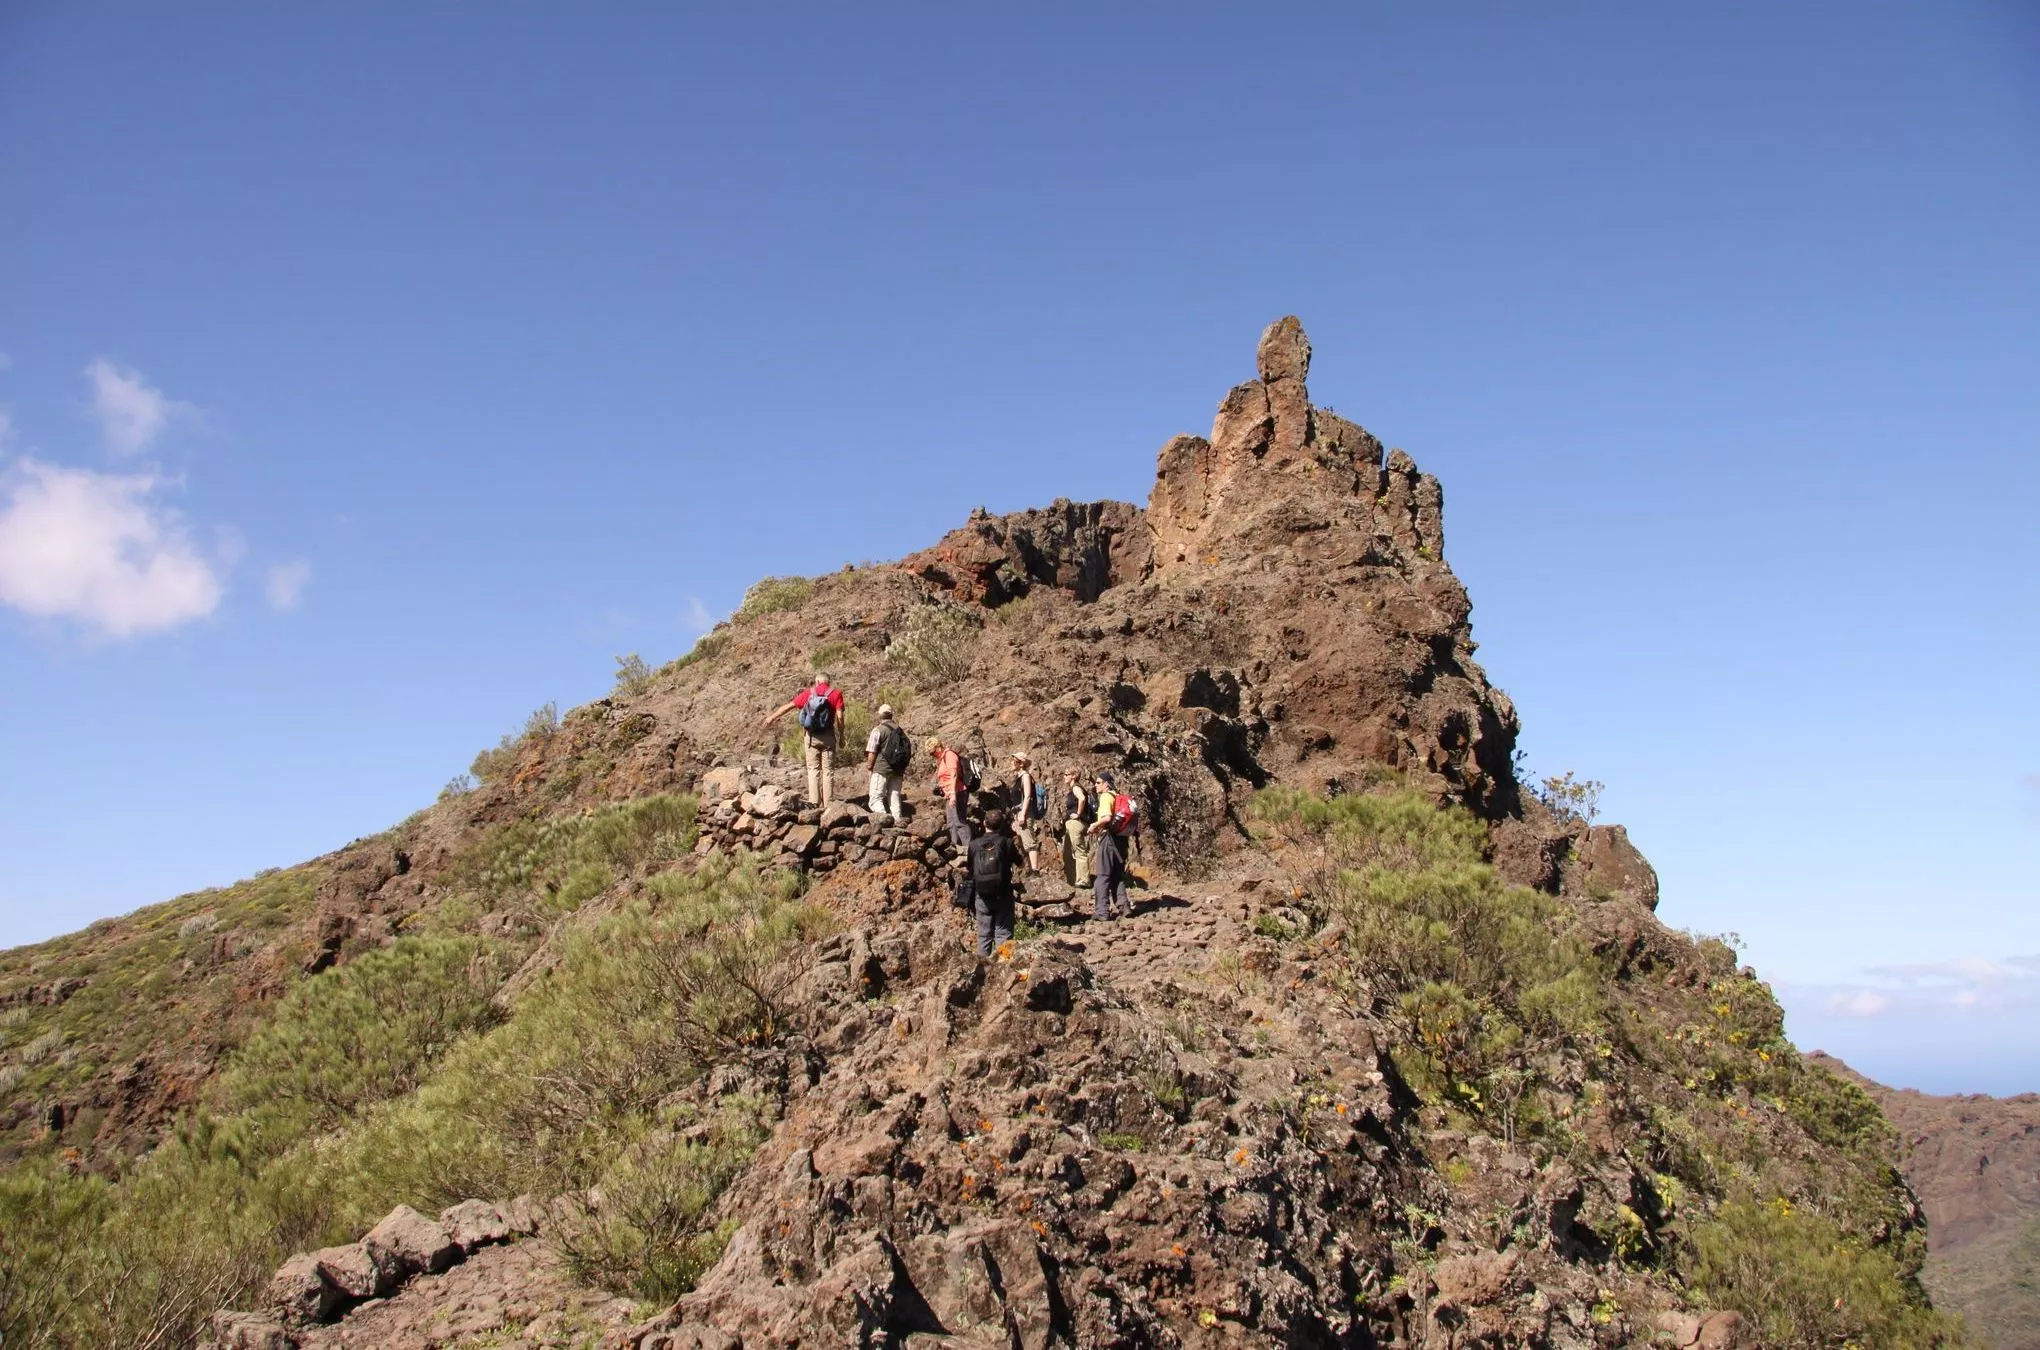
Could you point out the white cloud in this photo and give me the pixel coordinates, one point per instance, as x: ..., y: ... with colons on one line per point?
x: 285, y: 584
x: 96, y: 548
x: 1861, y: 1003
x: 6, y: 428
x: 1966, y: 982
x: 697, y: 620
x: 131, y: 412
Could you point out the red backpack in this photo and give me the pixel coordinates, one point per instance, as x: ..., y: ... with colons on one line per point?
x: 1125, y: 815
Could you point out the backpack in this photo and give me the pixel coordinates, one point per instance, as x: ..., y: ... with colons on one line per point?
x: 966, y: 774
x: 1038, y: 808
x: 987, y: 859
x: 894, y: 750
x: 1126, y: 809
x: 817, y: 715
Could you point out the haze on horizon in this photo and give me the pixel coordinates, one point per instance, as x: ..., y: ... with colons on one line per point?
x: 368, y: 380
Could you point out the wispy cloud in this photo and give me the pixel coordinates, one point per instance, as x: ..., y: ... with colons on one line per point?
x: 1933, y: 986
x: 697, y: 620
x: 131, y: 412
x: 284, y: 585
x: 6, y: 361
x: 99, y: 549
x: 6, y: 428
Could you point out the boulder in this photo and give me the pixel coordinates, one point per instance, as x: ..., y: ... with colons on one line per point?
x: 769, y: 800
x: 800, y: 840
x: 475, y: 1223
x: 250, y: 1331
x: 1606, y: 864
x: 358, y: 1270
x: 721, y: 784
x: 842, y: 813
x: 417, y: 1243
x: 301, y: 1292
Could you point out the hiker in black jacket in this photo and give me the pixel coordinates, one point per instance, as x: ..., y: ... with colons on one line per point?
x: 992, y: 859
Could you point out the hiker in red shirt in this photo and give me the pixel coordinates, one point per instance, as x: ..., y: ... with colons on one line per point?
x: 821, y: 718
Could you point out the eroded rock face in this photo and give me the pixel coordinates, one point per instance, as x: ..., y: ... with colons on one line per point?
x: 1079, y: 547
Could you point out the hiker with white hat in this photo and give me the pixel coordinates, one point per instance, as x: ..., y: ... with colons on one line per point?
x: 887, y: 752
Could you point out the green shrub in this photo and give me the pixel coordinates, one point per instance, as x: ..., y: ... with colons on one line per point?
x: 830, y: 655
x: 933, y: 646
x: 706, y: 648
x: 497, y: 763
x: 1478, y: 975
x: 366, y: 1031
x: 638, y: 1008
x: 640, y: 1228
x: 1807, y: 1286
x: 537, y: 859
x: 633, y: 676
x: 587, y: 1084
x: 773, y: 595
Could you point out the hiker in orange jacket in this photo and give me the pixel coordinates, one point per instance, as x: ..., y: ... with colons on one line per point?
x: 953, y: 787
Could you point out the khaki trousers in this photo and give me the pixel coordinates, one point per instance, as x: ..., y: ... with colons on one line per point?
x: 1076, y: 856
x: 821, y: 764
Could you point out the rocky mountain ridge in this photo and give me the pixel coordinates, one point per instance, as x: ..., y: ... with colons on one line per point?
x: 1393, y: 1054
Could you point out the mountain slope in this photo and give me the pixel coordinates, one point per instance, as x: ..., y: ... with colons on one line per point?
x: 1394, y: 1053
x: 1975, y: 1162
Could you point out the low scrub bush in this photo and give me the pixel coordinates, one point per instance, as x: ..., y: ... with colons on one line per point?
x: 547, y: 861
x: 633, y: 676
x: 1805, y: 1285
x: 500, y: 761
x: 1480, y: 976
x: 363, y: 1032
x: 933, y: 646
x: 592, y: 1081
x: 772, y: 595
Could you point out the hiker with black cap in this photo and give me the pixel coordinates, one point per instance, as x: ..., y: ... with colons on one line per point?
x: 992, y: 859
x: 821, y: 717
x: 887, y: 752
x: 1108, y: 864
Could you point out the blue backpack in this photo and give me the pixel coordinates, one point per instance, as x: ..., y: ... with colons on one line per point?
x: 818, y: 715
x: 1039, y: 808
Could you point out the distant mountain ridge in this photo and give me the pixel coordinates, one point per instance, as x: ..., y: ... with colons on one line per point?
x: 1974, y: 1161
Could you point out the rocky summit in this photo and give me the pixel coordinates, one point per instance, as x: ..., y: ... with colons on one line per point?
x: 1393, y: 1049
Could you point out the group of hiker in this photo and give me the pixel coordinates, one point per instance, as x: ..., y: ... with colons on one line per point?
x: 1093, y: 825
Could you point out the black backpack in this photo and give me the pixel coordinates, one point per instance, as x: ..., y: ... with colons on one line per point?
x: 895, y: 751
x: 966, y: 773
x: 818, y: 715
x: 988, y: 862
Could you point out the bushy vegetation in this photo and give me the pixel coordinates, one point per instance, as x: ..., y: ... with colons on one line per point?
x: 1768, y: 1185
x: 934, y: 644
x: 147, y: 984
x: 542, y: 868
x: 773, y: 595
x: 592, y: 1081
x: 1481, y: 976
x: 633, y: 676
x: 365, y: 1031
x: 499, y: 761
x: 1807, y: 1285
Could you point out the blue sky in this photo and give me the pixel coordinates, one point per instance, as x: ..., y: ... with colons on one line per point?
x: 375, y: 375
